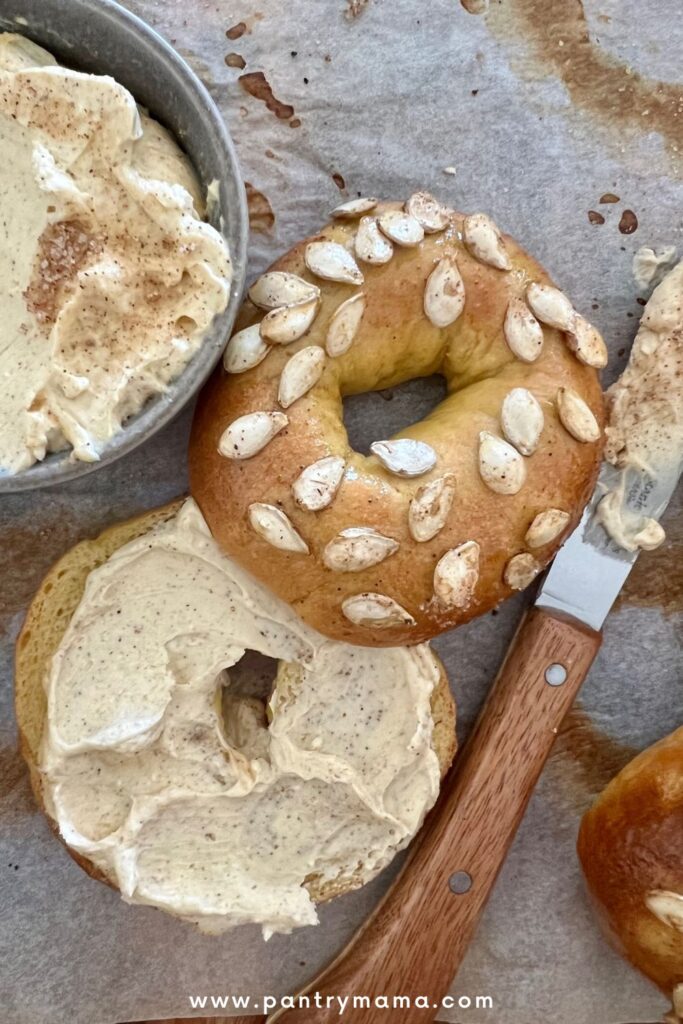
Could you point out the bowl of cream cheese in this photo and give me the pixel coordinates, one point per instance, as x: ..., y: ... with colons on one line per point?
x: 123, y: 233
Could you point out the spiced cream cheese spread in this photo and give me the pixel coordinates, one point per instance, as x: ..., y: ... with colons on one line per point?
x: 213, y: 805
x: 109, y: 278
x: 645, y: 432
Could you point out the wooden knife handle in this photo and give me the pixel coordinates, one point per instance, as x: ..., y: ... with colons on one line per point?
x: 414, y: 942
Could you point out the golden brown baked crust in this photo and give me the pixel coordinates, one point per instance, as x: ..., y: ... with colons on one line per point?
x: 630, y: 846
x: 46, y: 621
x: 395, y: 343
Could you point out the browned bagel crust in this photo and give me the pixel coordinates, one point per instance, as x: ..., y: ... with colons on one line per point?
x: 631, y: 844
x: 395, y: 343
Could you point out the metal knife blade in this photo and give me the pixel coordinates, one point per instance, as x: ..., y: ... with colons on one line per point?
x: 590, y: 569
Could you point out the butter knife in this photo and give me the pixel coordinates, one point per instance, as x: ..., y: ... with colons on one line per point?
x: 414, y: 942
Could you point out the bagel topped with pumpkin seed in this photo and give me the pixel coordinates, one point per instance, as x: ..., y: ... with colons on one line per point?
x: 442, y: 521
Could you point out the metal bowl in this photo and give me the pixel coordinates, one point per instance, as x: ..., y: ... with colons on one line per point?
x: 100, y: 37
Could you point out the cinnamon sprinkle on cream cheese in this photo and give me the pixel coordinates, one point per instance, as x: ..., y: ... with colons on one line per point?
x: 109, y: 277
x: 645, y: 424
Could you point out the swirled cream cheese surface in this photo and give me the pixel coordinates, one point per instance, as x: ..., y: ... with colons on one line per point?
x: 645, y: 431
x: 209, y: 804
x: 109, y: 278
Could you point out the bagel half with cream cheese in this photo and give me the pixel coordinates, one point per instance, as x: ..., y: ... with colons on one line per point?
x: 443, y: 521
x: 44, y: 640
x: 631, y: 851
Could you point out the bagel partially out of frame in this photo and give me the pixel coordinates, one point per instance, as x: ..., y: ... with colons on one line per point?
x: 395, y: 547
x: 631, y: 851
x: 46, y: 622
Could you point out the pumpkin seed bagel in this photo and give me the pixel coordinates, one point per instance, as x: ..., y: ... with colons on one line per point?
x: 630, y: 845
x: 168, y: 778
x: 443, y: 521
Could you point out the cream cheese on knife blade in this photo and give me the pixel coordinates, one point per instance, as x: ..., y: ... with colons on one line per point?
x: 645, y: 431
x: 226, y: 825
x: 109, y: 279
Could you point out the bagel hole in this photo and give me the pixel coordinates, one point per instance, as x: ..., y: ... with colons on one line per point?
x: 378, y: 415
x: 250, y: 683
x: 253, y: 676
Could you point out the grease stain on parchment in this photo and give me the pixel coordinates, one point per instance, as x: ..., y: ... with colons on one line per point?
x: 628, y: 222
x: 354, y: 8
x: 656, y: 580
x: 623, y: 100
x: 245, y: 27
x: 28, y: 553
x: 584, y: 759
x: 258, y: 86
x: 261, y: 213
x: 12, y: 770
x: 236, y: 31
x: 475, y: 6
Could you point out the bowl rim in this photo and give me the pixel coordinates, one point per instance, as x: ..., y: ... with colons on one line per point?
x: 59, y: 467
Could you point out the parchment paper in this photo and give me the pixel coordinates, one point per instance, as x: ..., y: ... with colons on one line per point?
x: 540, y: 110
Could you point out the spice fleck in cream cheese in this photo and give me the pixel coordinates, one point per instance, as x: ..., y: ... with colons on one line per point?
x: 109, y: 278
x: 645, y: 432
x: 224, y: 817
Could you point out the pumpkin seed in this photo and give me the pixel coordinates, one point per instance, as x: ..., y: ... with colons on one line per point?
x: 370, y: 244
x: 456, y: 575
x: 273, y: 525
x: 375, y: 610
x: 521, y: 570
x: 500, y: 465
x: 286, y: 324
x: 245, y: 350
x: 522, y: 331
x: 333, y: 262
x: 401, y: 228
x: 278, y: 288
x: 249, y: 434
x: 551, y: 306
x: 354, y: 208
x: 576, y: 416
x: 344, y: 325
x: 444, y: 296
x: 358, y: 548
x: 316, y: 486
x: 300, y: 373
x: 428, y: 510
x: 522, y: 420
x: 587, y: 343
x: 405, y: 457
x: 485, y: 242
x: 546, y: 527
x: 428, y: 212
